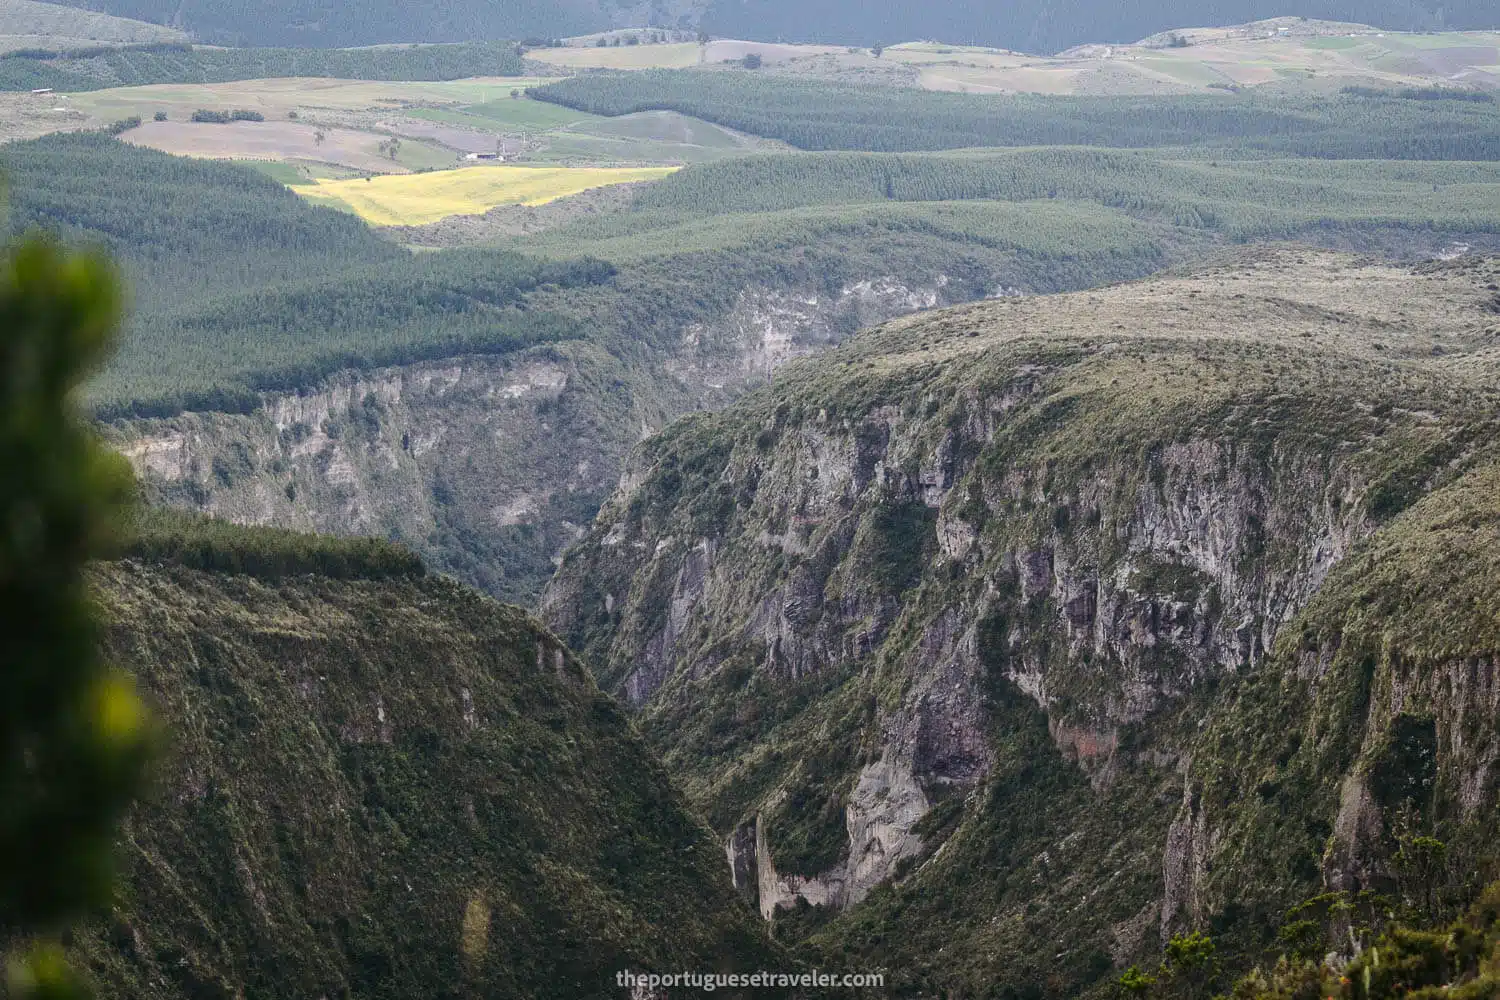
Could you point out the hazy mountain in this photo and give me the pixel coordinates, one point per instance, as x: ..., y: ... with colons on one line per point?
x: 1052, y: 25
x: 1031, y: 25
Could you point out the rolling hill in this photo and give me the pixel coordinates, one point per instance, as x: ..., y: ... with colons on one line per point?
x: 31, y: 24
x: 1032, y: 25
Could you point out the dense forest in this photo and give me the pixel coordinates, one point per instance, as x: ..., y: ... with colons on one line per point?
x: 1028, y: 25
x: 171, y: 537
x: 96, y: 69
x: 179, y: 227
x: 817, y: 115
x: 240, y: 286
x: 369, y: 22
x: 1063, y: 206
x: 1242, y: 198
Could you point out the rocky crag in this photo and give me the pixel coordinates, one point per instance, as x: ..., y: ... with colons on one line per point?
x: 1003, y: 642
x: 490, y: 466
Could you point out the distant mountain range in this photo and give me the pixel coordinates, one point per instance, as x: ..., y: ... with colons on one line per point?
x: 1027, y: 25
x: 1052, y: 25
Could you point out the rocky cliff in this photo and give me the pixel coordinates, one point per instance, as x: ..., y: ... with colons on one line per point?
x: 491, y: 465
x: 990, y: 641
x: 391, y: 787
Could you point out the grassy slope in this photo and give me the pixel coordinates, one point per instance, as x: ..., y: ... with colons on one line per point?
x: 42, y: 22
x: 1066, y: 422
x: 332, y: 822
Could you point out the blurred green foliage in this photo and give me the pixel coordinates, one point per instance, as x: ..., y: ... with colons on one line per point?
x: 74, y: 738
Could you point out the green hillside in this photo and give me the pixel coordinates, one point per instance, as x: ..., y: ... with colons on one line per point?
x: 101, y: 67
x: 1060, y: 203
x: 178, y: 227
x: 817, y: 114
x: 329, y: 822
x: 367, y: 22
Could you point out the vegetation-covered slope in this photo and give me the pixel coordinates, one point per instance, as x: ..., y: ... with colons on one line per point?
x: 24, y: 23
x: 383, y: 788
x: 1096, y: 206
x: 818, y: 114
x: 327, y: 345
x: 97, y: 67
x: 367, y: 22
x: 955, y: 632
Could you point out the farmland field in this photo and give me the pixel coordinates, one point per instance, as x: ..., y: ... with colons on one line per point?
x: 419, y: 199
x: 1315, y: 56
x: 677, y: 55
x: 275, y: 98
x: 505, y: 115
x: 285, y: 140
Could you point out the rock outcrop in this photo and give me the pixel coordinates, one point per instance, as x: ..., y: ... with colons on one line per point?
x: 973, y: 601
x: 490, y: 466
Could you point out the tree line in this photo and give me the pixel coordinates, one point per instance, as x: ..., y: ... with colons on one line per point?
x: 818, y: 115
x: 100, y: 68
x: 166, y: 536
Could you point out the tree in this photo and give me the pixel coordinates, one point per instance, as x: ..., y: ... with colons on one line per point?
x: 74, y: 738
x: 160, y: 116
x: 876, y: 50
x: 1190, y: 963
x: 1135, y: 983
x: 751, y: 60
x: 1421, y: 867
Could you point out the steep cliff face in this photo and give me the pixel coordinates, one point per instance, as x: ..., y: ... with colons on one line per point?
x: 945, y: 621
x: 391, y: 788
x: 490, y: 465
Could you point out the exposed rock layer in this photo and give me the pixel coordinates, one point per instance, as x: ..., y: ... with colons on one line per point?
x: 987, y: 601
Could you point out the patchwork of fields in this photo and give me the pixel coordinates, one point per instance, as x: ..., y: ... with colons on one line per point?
x: 418, y: 199
x: 1285, y: 53
x: 284, y: 141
